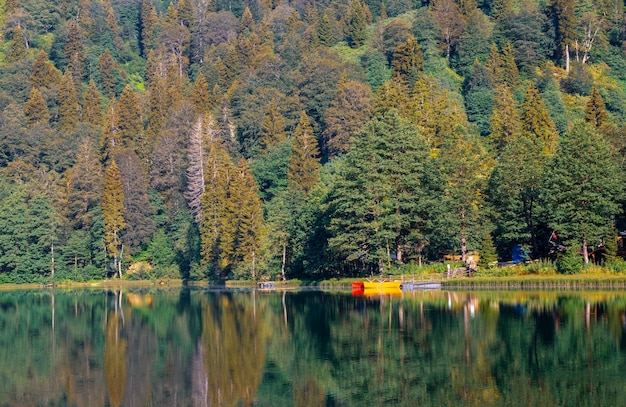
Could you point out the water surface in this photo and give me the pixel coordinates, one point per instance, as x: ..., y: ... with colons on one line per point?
x: 311, y: 348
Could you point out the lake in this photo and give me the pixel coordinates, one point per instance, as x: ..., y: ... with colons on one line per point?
x: 201, y: 347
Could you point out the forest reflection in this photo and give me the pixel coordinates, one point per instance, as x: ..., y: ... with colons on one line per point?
x: 311, y: 348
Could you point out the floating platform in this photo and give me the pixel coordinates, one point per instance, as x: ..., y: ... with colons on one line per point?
x: 421, y: 285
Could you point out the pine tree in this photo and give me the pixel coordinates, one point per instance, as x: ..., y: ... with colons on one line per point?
x: 43, y: 73
x: 595, y: 111
x: 536, y: 119
x: 92, y: 105
x: 69, y: 109
x: 17, y: 46
x: 113, y: 216
x: 273, y: 127
x: 35, y: 109
x: 304, y: 166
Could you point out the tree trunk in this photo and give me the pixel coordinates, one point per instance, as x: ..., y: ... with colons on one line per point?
x: 585, y: 252
x: 282, y: 266
x: 463, y: 237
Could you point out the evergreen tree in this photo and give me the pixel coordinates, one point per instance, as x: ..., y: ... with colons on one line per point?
x: 92, y: 105
x: 488, y: 254
x: 505, y: 120
x: 35, y: 109
x: 130, y: 122
x: 494, y: 65
x: 564, y: 20
x: 465, y: 165
x: 17, y: 46
x: 408, y: 61
x: 69, y: 109
x: 595, y: 112
x: 149, y: 21
x: 137, y: 209
x: 43, y: 73
x: 304, y: 166
x: 380, y: 205
x: 583, y: 188
x: 113, y: 216
x: 108, y: 81
x: 250, y: 224
x: 325, y: 32
x: 358, y: 18
x: 74, y: 50
x: 273, y: 127
x: 514, y: 192
x: 509, y: 66
x: 200, y: 95
x: 536, y: 120
x: 346, y: 116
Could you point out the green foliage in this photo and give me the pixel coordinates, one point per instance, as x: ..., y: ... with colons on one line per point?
x: 570, y: 263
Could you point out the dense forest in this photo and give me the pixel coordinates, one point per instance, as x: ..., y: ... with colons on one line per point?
x: 213, y: 139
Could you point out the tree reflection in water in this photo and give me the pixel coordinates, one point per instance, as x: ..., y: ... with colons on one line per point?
x: 311, y: 348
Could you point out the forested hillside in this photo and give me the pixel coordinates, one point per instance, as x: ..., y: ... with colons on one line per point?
x: 266, y: 139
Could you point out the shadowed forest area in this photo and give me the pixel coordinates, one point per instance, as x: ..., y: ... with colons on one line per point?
x: 264, y: 139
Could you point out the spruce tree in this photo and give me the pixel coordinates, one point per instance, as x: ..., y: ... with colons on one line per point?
x: 273, y: 127
x: 359, y: 17
x: 17, y: 46
x: 408, y: 61
x: 249, y: 212
x: 106, y: 67
x: 43, y: 73
x: 74, y: 50
x: 304, y: 166
x: 200, y: 95
x: 536, y: 120
x: 583, y: 188
x: 69, y: 109
x: 325, y: 33
x: 113, y: 216
x: 509, y: 66
x: 505, y: 120
x: 130, y: 123
x: 595, y: 111
x: 92, y: 105
x: 35, y: 109
x: 494, y: 65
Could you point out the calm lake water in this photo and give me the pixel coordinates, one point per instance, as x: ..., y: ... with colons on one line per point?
x: 311, y: 348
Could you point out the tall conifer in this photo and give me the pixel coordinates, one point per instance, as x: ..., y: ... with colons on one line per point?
x: 92, y: 105
x: 304, y: 166
x: 595, y: 111
x: 536, y: 119
x: 69, y: 109
x: 113, y: 216
x: 35, y: 109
